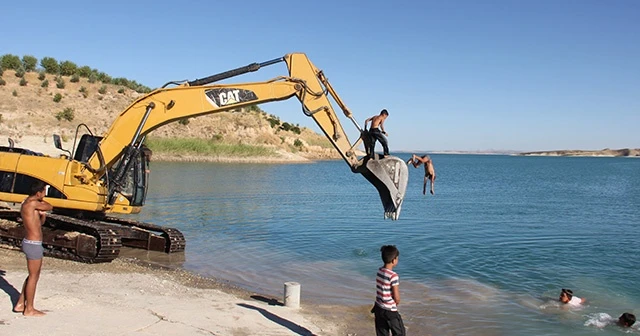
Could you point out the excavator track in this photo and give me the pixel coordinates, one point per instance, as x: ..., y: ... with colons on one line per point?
x: 66, y: 237
x: 154, y: 237
x: 91, y: 241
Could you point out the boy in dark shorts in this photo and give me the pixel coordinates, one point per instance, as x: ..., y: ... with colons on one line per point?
x: 387, y: 317
x: 33, y: 216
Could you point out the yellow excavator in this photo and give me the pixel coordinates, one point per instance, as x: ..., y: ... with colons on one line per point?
x: 108, y: 174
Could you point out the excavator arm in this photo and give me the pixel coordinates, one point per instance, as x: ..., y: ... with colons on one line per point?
x: 201, y: 97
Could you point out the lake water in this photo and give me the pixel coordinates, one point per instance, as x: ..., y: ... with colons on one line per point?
x: 487, y: 255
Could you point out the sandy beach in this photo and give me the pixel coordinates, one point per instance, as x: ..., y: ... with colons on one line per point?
x: 127, y: 297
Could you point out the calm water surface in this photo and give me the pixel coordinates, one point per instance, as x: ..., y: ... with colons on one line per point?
x: 487, y: 255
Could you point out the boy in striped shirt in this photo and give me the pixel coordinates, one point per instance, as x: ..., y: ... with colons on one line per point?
x: 388, y: 295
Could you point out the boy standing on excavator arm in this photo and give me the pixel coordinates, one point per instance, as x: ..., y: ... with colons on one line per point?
x: 33, y: 213
x: 377, y: 132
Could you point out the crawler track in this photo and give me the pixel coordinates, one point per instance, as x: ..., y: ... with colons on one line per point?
x: 91, y: 241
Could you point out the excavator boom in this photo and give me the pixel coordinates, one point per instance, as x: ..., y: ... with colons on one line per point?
x: 201, y: 97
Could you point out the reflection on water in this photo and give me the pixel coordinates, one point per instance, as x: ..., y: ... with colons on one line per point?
x: 480, y: 257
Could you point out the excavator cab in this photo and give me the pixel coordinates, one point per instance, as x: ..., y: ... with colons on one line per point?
x: 134, y: 182
x: 130, y: 174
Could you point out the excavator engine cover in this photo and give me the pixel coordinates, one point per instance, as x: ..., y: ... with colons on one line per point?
x: 389, y: 175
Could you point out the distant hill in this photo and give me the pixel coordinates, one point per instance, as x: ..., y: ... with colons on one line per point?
x: 27, y: 111
x: 603, y: 152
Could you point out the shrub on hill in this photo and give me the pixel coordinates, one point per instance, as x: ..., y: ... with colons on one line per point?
x: 2, y: 82
x: 29, y: 63
x: 50, y: 65
x: 68, y: 68
x: 84, y: 71
x: 23, y: 82
x: 66, y: 114
x: 45, y: 83
x: 57, y: 98
x: 10, y: 61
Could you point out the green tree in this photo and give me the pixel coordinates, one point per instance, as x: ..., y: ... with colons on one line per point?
x: 286, y: 126
x: 120, y: 81
x: 20, y: 73
x: 42, y: 76
x: 103, y: 77
x: 29, y: 63
x: 23, y: 82
x: 45, y: 83
x: 50, y: 65
x: 10, y: 61
x: 92, y: 78
x: 75, y: 78
x: 68, y: 68
x: 273, y: 121
x: 57, y: 98
x: 84, y: 71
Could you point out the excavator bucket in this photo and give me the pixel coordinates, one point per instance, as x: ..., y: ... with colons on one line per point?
x: 389, y: 175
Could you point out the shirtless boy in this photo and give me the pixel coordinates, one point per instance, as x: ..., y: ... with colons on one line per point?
x: 429, y: 171
x: 33, y: 216
x: 377, y: 132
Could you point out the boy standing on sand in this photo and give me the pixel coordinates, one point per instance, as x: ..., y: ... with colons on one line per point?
x: 386, y: 312
x: 33, y: 216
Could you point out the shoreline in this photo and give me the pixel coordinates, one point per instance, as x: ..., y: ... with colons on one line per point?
x: 138, y: 297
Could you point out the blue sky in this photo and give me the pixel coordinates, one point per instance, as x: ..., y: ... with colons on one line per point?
x: 454, y: 75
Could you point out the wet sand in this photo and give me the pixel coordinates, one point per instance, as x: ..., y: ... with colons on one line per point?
x: 132, y: 297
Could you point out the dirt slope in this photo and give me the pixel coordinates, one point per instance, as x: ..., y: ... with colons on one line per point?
x: 28, y: 112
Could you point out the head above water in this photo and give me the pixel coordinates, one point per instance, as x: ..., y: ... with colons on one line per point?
x: 626, y: 320
x: 389, y: 253
x: 566, y: 295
